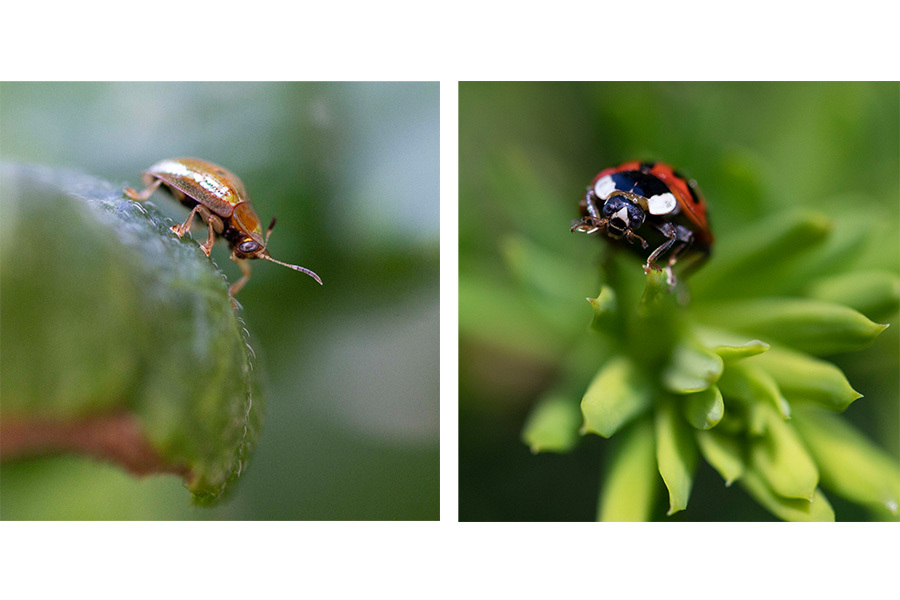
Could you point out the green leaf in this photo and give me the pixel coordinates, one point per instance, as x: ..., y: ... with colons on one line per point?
x: 544, y: 272
x: 618, y: 394
x: 787, y: 509
x: 841, y: 252
x: 753, y: 384
x: 692, y: 368
x: 657, y: 293
x: 850, y: 464
x: 732, y: 354
x: 704, y: 409
x: 675, y: 453
x: 630, y: 483
x: 812, y: 326
x: 730, y: 346
x: 520, y: 183
x: 495, y: 315
x: 112, y: 326
x: 802, y: 377
x: 553, y: 424
x: 749, y: 261
x: 875, y: 294
x: 723, y: 453
x: 605, y: 308
x: 782, y: 460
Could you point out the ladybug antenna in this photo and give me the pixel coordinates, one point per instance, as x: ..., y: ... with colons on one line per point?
x: 269, y: 230
x: 294, y: 267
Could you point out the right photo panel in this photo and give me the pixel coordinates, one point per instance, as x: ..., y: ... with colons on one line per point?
x: 679, y: 301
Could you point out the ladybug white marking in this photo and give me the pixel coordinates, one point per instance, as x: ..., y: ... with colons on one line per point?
x: 604, y: 187
x: 623, y: 215
x: 662, y: 204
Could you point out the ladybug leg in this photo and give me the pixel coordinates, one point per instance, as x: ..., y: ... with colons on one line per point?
x: 632, y: 236
x: 592, y: 222
x: 668, y: 230
x: 589, y: 225
x: 140, y: 197
x: 674, y: 256
x: 590, y: 201
x: 685, y: 237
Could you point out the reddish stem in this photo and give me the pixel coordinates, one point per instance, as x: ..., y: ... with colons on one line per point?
x: 117, y: 438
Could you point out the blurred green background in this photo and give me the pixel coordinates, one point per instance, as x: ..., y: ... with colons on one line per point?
x: 351, y: 170
x: 527, y: 151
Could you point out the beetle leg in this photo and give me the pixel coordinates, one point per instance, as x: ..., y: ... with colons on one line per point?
x: 590, y: 202
x: 632, y: 236
x: 674, y: 256
x: 182, y: 229
x: 215, y: 226
x: 210, y: 240
x: 589, y: 224
x: 592, y: 222
x: 237, y: 285
x: 131, y: 193
x: 668, y: 230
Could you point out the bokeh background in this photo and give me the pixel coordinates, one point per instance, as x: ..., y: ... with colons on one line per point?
x: 351, y: 170
x: 527, y: 151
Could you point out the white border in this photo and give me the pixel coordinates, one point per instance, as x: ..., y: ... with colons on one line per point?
x: 171, y: 40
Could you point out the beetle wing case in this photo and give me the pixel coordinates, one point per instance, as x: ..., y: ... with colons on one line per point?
x: 201, y: 182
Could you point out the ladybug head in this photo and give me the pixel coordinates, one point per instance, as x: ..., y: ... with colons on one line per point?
x: 623, y: 215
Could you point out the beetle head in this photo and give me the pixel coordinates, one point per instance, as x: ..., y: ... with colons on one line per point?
x: 253, y: 248
x: 623, y: 214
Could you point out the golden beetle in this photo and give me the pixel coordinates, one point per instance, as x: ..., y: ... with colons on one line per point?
x: 221, y: 200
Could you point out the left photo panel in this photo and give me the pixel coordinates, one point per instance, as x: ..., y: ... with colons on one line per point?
x: 168, y: 351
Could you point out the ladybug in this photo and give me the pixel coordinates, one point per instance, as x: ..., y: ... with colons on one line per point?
x: 656, y: 210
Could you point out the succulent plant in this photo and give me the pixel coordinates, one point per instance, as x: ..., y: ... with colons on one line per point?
x: 732, y: 367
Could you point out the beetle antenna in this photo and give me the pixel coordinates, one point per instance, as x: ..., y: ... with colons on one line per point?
x: 269, y: 230
x: 294, y: 267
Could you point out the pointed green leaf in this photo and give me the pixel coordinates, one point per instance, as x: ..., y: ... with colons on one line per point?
x: 692, y: 368
x: 753, y: 384
x: 841, y: 251
x: 875, y: 294
x: 812, y: 326
x: 618, y: 394
x: 553, y: 424
x: 757, y: 419
x: 787, y: 509
x: 657, y: 292
x: 605, y: 308
x: 851, y: 465
x: 782, y: 459
x: 723, y: 453
x: 802, y: 377
x: 630, y: 483
x: 731, y: 354
x: 704, y: 409
x: 745, y: 263
x: 730, y: 346
x: 676, y: 454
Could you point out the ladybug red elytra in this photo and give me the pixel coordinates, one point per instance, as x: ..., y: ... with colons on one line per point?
x: 649, y: 205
